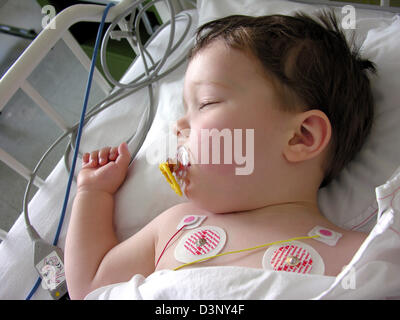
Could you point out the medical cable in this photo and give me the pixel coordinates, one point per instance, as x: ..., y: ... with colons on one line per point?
x: 121, y: 93
x: 165, y: 247
x: 99, y: 107
x: 138, y: 86
x: 151, y: 75
x: 244, y: 250
x: 226, y: 253
x: 44, y: 249
x: 139, y: 43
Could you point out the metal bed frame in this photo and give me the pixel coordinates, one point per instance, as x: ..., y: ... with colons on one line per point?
x: 16, y: 76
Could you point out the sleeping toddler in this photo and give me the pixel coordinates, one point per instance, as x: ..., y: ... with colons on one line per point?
x: 304, y: 94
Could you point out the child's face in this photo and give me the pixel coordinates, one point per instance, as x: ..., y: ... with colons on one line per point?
x: 225, y: 90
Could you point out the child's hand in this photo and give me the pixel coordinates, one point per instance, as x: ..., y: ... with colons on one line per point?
x: 104, y: 170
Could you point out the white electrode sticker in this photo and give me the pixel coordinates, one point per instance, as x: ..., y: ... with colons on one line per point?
x: 199, y: 243
x: 293, y: 256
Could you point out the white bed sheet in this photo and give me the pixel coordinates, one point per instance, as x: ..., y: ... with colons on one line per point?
x: 144, y: 182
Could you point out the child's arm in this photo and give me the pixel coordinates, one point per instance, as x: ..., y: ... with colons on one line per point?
x: 93, y: 257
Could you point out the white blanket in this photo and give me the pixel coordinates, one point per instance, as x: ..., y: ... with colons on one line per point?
x: 216, y: 283
x: 373, y: 272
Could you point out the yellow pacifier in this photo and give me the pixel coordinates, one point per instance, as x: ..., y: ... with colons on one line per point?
x: 175, y: 171
x: 166, y: 171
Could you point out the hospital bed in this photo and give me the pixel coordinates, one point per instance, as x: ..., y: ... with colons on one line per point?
x: 143, y: 106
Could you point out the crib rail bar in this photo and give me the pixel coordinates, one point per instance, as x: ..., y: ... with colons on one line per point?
x: 19, y: 168
x: 85, y: 61
x: 44, y: 105
x: 38, y: 49
x: 384, y: 5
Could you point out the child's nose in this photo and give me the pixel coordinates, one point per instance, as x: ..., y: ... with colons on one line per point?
x: 182, y: 127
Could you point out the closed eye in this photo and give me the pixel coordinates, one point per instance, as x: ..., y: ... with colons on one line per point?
x: 206, y: 104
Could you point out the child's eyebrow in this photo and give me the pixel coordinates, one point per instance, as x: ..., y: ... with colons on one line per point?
x: 210, y: 82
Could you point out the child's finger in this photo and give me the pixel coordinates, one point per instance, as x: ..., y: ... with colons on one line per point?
x: 103, y: 155
x: 94, y: 158
x: 113, y: 154
x: 85, y: 158
x: 124, y: 156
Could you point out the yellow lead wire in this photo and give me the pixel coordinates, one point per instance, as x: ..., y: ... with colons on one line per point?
x: 243, y: 250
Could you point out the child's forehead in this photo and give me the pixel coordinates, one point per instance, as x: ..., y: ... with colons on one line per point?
x: 220, y: 67
x: 221, y: 53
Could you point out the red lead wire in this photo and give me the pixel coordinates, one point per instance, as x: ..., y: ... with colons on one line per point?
x: 168, y: 244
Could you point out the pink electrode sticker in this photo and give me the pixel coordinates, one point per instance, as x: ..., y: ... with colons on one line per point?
x: 191, y: 221
x: 325, y: 235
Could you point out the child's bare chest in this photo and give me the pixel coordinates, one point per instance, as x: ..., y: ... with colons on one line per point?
x: 222, y: 240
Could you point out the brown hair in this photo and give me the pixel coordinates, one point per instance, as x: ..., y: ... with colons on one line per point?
x: 314, y: 61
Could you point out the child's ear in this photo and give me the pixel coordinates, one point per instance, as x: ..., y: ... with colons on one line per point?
x: 309, y: 136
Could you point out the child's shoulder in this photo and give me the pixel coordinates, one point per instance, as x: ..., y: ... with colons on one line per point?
x: 342, y: 253
x: 353, y: 239
x: 175, y: 214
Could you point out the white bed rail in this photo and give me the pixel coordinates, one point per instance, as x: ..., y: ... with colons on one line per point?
x: 16, y: 77
x: 38, y: 49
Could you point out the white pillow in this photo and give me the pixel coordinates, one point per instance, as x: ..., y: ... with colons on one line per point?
x: 348, y: 201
